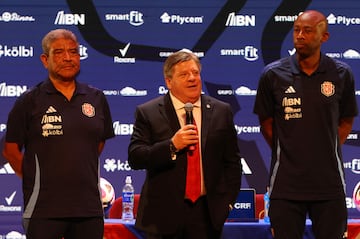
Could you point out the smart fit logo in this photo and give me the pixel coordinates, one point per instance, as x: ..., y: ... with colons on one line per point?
x: 353, y: 165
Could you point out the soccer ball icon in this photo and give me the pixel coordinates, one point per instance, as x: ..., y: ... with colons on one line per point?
x: 356, y: 196
x: 107, y: 193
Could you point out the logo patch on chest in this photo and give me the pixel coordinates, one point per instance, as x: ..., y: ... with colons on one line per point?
x: 327, y: 88
x: 88, y: 110
x: 51, y: 123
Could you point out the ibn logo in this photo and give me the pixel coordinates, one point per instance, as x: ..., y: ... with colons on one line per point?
x: 11, y: 90
x: 69, y: 19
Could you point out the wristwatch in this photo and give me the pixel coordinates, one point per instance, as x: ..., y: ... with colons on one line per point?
x: 173, y: 150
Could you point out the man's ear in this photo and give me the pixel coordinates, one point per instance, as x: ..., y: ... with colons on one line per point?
x: 168, y: 83
x: 325, y: 37
x: 44, y: 58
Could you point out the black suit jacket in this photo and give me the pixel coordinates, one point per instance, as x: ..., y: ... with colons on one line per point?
x: 162, y: 197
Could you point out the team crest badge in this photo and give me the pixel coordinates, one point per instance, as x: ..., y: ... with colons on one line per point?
x: 327, y: 88
x: 88, y: 110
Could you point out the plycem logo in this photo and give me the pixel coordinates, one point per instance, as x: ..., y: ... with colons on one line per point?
x: 247, y: 129
x: 332, y: 19
x: 177, y: 19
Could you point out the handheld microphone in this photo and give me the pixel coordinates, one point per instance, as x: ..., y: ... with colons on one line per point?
x: 189, y: 115
x: 189, y: 119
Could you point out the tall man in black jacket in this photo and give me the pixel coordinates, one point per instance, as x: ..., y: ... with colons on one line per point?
x: 160, y: 143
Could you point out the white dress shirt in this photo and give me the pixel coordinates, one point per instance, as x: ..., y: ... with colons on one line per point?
x: 180, y: 111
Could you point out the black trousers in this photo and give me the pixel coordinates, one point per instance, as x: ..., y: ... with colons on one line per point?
x: 196, y: 225
x: 328, y: 217
x: 67, y: 228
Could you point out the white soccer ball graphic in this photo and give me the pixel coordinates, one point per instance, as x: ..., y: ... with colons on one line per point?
x: 107, y: 193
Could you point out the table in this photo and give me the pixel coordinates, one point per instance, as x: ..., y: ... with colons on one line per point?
x: 116, y: 229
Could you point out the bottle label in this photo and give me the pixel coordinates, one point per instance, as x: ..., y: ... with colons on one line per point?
x: 266, y: 207
x: 128, y: 197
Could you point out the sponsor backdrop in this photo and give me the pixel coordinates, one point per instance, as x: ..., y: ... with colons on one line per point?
x: 123, y: 47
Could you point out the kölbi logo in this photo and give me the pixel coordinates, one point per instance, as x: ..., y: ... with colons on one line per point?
x: 16, y: 51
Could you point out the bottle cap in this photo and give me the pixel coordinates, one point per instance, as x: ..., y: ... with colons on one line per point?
x: 128, y: 179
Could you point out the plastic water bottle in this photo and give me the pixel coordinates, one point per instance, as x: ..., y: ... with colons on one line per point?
x: 266, y: 207
x: 128, y: 201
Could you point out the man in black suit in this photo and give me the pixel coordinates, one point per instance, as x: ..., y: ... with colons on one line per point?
x: 160, y: 143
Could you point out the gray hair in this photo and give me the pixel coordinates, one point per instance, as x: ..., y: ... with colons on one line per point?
x: 55, y: 35
x: 177, y: 57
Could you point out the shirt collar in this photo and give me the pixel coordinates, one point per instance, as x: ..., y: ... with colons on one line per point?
x: 296, y: 68
x: 80, y: 88
x: 180, y: 105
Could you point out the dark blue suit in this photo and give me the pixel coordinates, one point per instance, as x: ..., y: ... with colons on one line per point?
x: 161, y: 206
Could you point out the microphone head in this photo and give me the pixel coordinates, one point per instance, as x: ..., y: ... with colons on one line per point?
x: 188, y: 107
